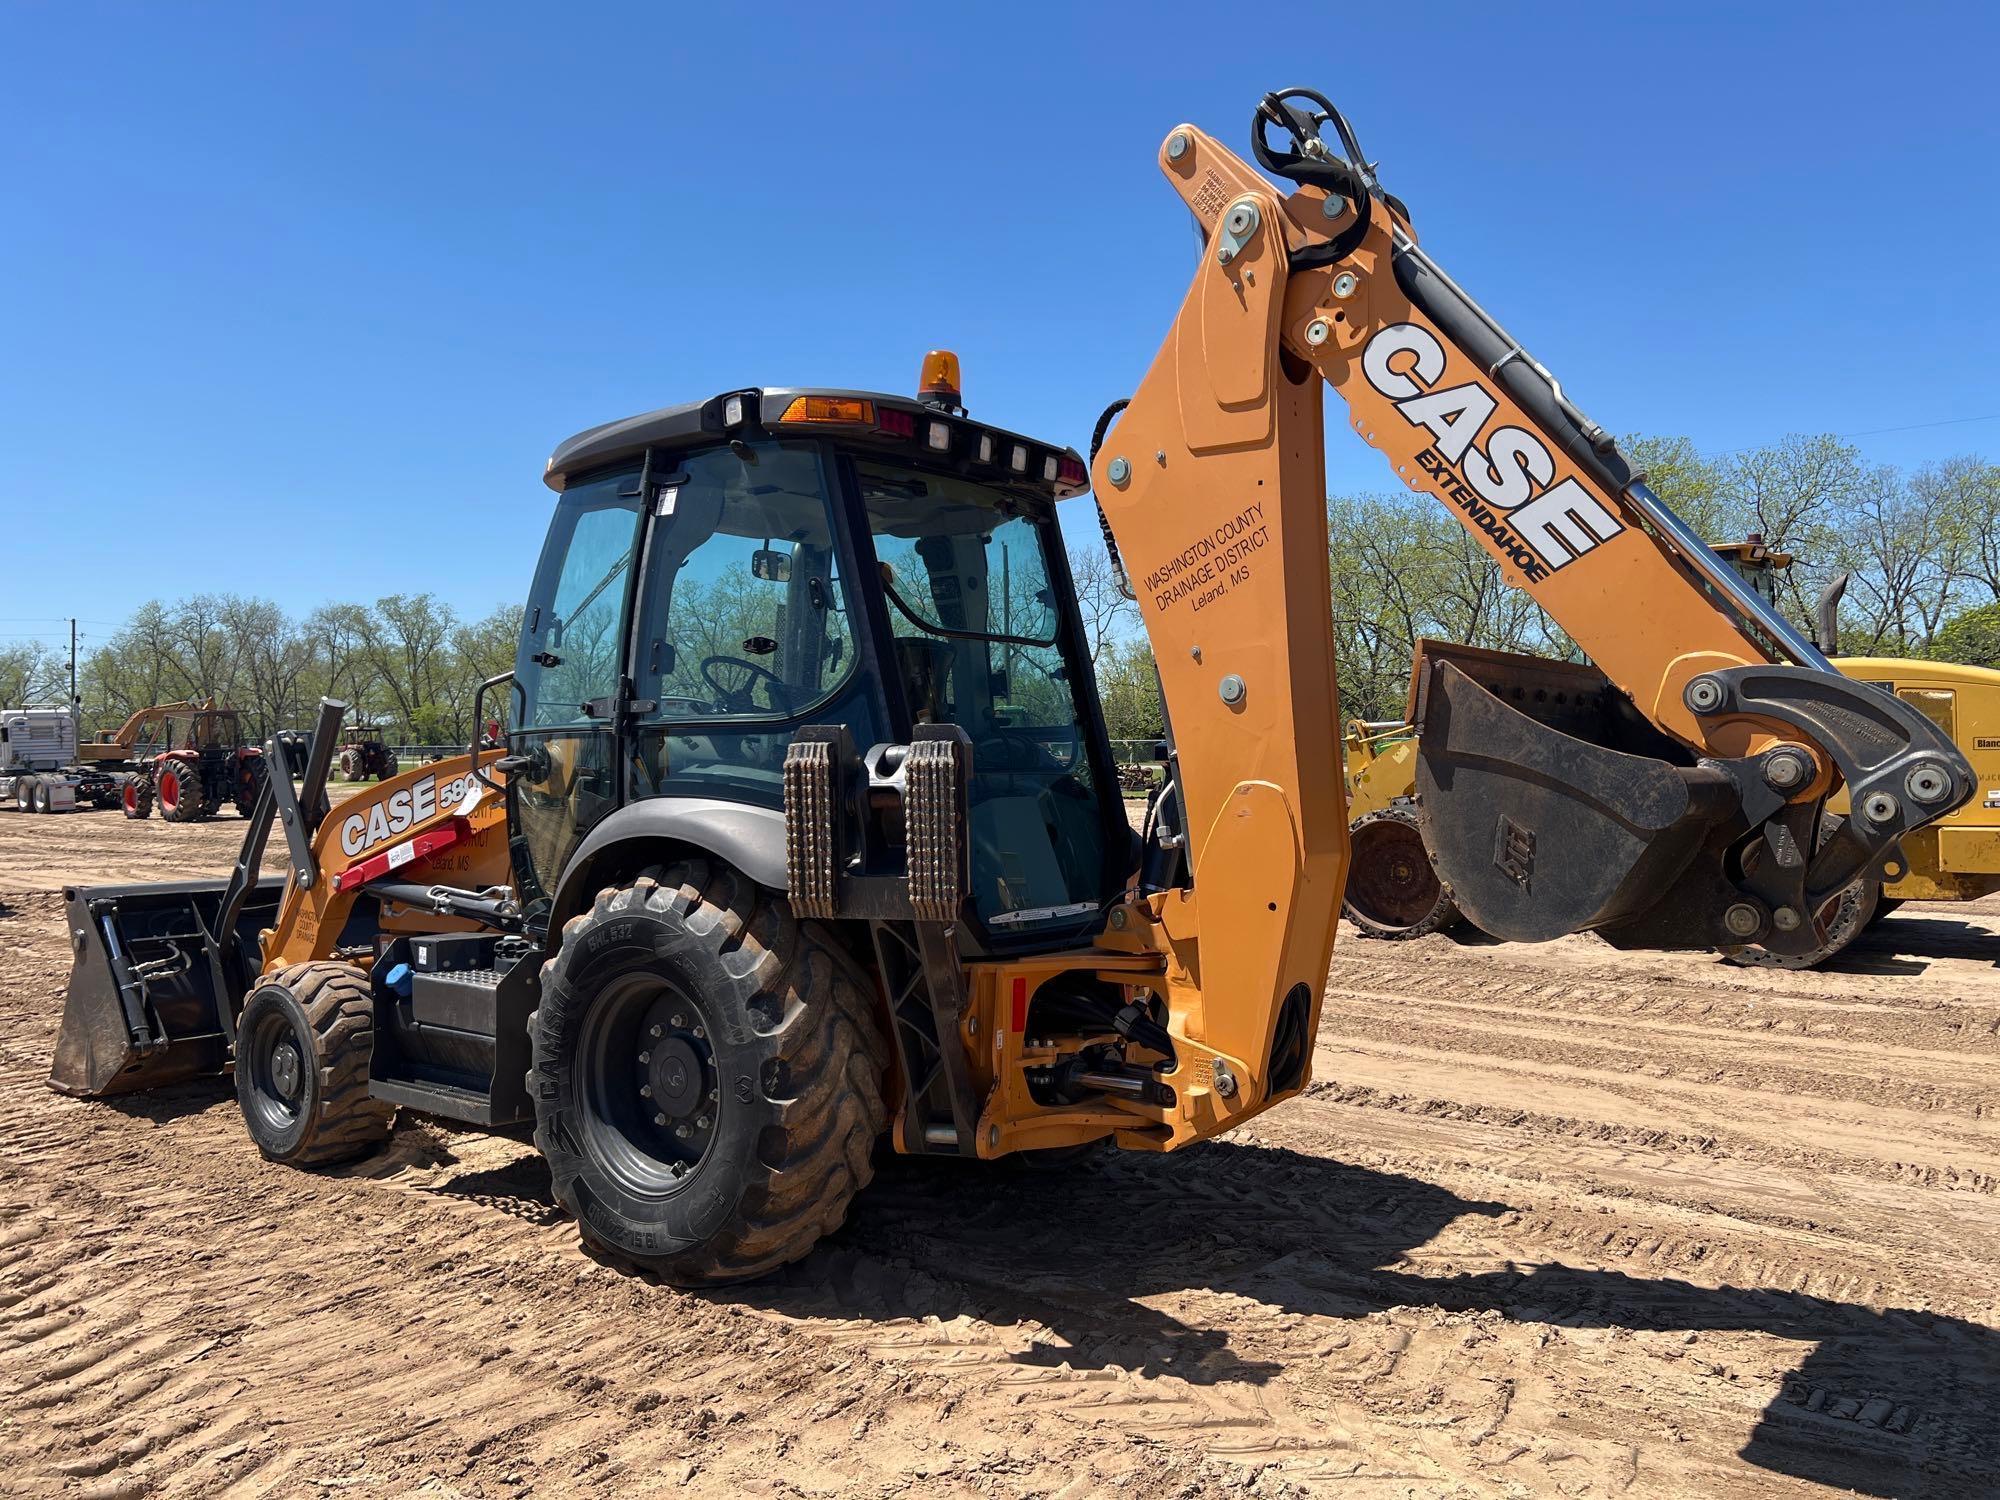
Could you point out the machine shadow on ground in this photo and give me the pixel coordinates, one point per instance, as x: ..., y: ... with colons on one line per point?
x: 1075, y: 1252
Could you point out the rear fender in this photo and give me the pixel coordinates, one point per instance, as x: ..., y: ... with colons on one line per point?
x: 641, y: 834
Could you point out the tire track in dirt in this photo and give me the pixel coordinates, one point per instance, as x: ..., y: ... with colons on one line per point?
x: 1554, y: 1220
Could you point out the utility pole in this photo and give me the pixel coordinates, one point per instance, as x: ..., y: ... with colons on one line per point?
x: 75, y: 702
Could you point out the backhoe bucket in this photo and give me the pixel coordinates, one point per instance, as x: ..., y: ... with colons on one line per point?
x: 154, y: 989
x: 1539, y: 833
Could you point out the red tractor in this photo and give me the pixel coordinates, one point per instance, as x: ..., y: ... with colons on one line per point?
x: 366, y: 757
x: 199, y: 763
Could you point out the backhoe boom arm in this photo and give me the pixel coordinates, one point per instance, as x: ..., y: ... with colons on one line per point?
x: 1213, y: 491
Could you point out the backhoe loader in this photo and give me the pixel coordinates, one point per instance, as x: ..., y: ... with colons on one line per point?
x: 812, y: 830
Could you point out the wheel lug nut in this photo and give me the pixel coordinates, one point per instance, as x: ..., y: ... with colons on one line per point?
x: 701, y: 1122
x: 679, y: 1020
x: 659, y: 1119
x: 713, y: 1095
x: 645, y: 1091
x: 682, y: 1131
x: 645, y: 1057
x: 658, y: 1032
x: 698, y: 1033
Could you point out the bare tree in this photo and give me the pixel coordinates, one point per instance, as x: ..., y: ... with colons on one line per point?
x: 1797, y: 493
x: 1108, y: 615
x: 273, y: 661
x: 336, y: 638
x: 32, y: 674
x: 1963, y: 494
x: 1904, y: 563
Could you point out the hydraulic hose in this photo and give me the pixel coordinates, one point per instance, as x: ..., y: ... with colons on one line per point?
x: 1104, y: 422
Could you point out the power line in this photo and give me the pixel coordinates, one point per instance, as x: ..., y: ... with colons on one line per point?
x: 1919, y: 426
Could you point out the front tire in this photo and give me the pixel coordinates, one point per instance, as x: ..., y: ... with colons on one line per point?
x: 1393, y: 891
x: 303, y: 1047
x: 707, y: 1076
x: 137, y: 797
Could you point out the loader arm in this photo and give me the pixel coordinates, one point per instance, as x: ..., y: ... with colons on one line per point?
x: 1213, y: 492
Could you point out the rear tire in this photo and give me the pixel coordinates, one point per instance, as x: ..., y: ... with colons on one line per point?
x: 44, y: 801
x: 750, y: 1126
x: 177, y: 784
x: 350, y: 765
x: 302, y: 1052
x: 24, y: 794
x: 137, y: 797
x: 1393, y: 891
x: 1884, y: 906
x: 250, y: 774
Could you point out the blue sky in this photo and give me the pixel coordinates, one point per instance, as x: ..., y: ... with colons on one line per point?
x: 296, y: 301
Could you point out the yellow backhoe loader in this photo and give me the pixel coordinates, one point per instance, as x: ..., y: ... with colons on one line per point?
x: 813, y: 828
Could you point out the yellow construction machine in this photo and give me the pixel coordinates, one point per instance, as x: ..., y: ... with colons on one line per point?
x: 813, y: 828
x: 1394, y: 892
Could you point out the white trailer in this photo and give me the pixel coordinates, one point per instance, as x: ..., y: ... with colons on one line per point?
x: 38, y: 765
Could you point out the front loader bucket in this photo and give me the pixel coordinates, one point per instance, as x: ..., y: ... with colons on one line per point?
x: 153, y: 988
x: 1538, y: 833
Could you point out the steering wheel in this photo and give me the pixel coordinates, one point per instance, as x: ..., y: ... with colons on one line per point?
x: 1021, y: 750
x: 738, y: 699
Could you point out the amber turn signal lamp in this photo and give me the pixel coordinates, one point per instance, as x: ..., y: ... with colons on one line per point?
x: 829, y: 409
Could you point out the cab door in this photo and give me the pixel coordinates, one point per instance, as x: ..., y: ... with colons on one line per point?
x: 570, y: 672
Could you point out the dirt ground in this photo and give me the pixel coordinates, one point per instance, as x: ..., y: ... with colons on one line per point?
x: 1550, y: 1221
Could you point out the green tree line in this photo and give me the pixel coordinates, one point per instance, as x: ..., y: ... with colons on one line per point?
x: 1922, y: 548
x: 407, y: 662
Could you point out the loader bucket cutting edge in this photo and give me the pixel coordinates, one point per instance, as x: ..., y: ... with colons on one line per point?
x: 152, y: 1000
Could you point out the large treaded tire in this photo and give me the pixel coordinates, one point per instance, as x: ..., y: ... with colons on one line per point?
x: 250, y: 773
x: 177, y: 785
x: 348, y: 766
x: 792, y: 1049
x: 1884, y: 907
x: 136, y: 797
x: 1393, y: 891
x: 1847, y: 914
x: 326, y: 1012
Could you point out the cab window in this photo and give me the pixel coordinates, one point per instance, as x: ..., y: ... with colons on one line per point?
x: 576, y: 613
x: 744, y: 630
x: 972, y: 608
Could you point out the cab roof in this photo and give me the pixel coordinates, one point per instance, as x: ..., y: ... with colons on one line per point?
x: 975, y: 449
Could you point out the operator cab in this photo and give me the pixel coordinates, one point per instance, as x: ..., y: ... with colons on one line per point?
x: 721, y: 575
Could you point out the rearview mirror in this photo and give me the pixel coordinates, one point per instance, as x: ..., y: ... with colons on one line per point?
x: 770, y: 565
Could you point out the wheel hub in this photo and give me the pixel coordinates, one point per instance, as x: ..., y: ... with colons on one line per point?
x: 675, y: 1071
x: 1391, y: 878
x: 286, y: 1070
